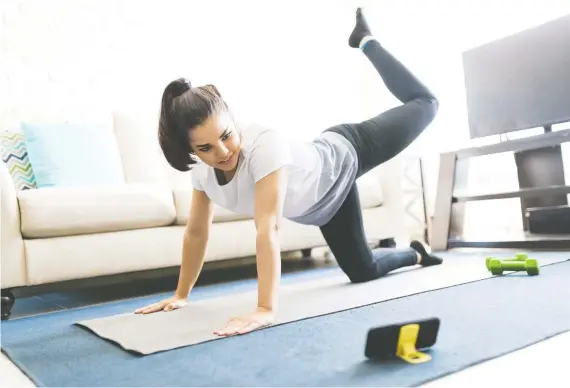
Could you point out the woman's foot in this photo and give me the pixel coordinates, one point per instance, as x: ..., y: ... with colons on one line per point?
x: 425, y: 258
x: 360, y: 31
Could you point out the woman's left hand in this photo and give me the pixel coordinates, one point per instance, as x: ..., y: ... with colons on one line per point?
x: 246, y: 323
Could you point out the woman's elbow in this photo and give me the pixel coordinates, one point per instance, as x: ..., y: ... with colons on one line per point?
x: 268, y: 227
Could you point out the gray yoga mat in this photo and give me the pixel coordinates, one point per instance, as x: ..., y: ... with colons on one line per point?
x: 147, y: 334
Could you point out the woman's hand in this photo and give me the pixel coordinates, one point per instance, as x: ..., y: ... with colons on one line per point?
x: 246, y: 323
x: 172, y: 303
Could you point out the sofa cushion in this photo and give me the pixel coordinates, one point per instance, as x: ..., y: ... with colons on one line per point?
x: 55, y: 212
x: 370, y: 191
x: 137, y: 139
x: 183, y: 199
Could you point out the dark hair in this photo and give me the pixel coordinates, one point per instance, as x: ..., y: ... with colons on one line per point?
x: 182, y: 109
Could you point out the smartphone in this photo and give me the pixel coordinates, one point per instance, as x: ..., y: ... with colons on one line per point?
x: 382, y: 341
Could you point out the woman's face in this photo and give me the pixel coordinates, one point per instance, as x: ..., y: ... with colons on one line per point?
x: 216, y: 142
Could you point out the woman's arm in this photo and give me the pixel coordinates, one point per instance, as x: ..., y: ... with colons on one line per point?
x: 193, y: 248
x: 269, y: 197
x: 194, y: 243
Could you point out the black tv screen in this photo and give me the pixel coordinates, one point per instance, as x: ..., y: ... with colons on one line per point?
x: 519, y: 82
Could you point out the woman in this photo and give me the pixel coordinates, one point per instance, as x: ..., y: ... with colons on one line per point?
x: 254, y: 171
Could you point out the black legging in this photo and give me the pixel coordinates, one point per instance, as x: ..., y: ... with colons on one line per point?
x: 376, y: 141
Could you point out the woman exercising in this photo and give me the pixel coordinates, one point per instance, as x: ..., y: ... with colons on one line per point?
x: 254, y: 171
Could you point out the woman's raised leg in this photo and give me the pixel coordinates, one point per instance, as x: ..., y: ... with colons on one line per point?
x: 377, y: 140
x: 384, y: 136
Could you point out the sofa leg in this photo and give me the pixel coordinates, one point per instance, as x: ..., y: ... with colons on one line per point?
x: 387, y: 243
x: 328, y: 256
x: 8, y: 300
x: 306, y: 253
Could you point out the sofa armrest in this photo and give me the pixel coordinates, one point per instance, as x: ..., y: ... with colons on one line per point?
x: 390, y: 175
x: 12, y: 254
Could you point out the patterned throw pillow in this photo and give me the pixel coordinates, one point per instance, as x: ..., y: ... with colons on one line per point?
x: 15, y: 154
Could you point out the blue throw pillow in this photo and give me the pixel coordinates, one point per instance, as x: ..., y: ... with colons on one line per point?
x: 73, y: 155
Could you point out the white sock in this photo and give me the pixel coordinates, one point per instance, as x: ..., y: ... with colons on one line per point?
x: 365, y: 40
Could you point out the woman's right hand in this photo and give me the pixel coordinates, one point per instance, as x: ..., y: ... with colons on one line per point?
x: 172, y: 303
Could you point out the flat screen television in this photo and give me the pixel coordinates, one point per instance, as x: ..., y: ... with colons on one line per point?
x: 519, y: 82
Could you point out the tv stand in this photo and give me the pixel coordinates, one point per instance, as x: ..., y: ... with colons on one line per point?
x: 541, y: 183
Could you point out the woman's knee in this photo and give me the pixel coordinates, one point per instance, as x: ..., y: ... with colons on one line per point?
x: 355, y: 266
x: 361, y: 278
x: 360, y: 274
x: 430, y: 107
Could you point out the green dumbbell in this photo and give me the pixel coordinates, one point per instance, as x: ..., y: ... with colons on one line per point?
x: 497, y: 267
x: 518, y: 257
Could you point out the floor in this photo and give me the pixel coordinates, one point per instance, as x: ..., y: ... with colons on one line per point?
x: 546, y: 358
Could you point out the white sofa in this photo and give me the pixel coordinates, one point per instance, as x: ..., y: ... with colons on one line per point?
x: 51, y: 235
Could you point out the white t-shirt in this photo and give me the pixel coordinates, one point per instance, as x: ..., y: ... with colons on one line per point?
x: 320, y: 174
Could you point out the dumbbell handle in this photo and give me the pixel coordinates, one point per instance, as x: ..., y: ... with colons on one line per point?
x: 520, y: 258
x: 513, y: 265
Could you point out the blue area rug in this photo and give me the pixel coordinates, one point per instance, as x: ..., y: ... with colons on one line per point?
x: 479, y: 321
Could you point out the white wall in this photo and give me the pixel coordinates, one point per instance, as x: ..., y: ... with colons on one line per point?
x: 286, y: 64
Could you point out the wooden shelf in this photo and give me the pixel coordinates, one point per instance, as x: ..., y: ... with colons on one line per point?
x: 453, y: 180
x: 557, y: 242
x: 550, y: 139
x: 522, y: 193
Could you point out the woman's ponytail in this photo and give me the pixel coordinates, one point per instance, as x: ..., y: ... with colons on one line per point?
x: 184, y: 108
x: 174, y: 148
